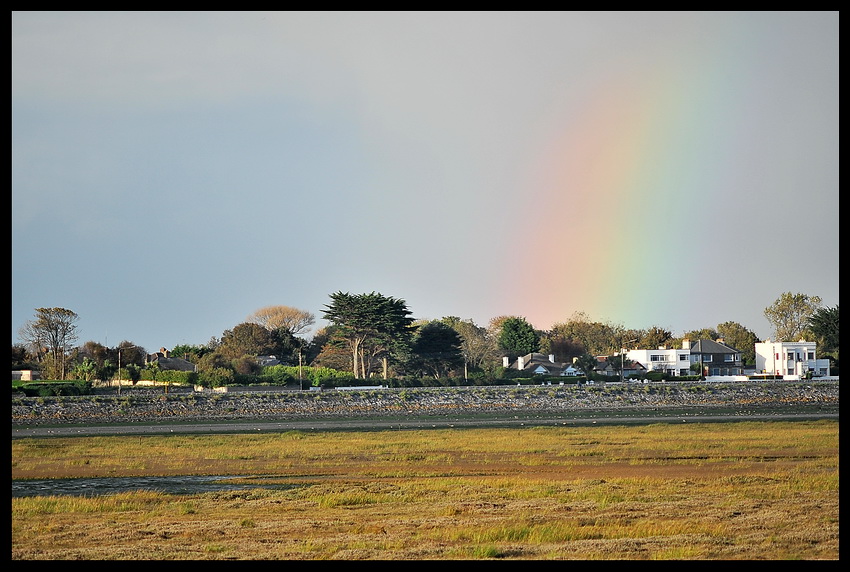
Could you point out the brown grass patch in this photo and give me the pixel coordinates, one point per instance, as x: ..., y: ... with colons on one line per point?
x: 711, y: 491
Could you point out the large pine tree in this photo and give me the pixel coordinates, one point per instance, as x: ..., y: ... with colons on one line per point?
x: 372, y: 325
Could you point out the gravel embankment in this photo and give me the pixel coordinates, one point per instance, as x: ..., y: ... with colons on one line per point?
x: 140, y: 405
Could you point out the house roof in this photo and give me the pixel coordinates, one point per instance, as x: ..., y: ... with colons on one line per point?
x: 533, y: 361
x: 711, y: 347
x: 268, y: 360
x: 178, y: 364
x: 628, y: 364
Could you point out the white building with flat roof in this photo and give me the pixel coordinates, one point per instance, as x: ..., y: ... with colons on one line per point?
x: 790, y: 359
x: 667, y: 360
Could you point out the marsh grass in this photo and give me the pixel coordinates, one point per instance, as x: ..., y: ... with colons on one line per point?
x: 711, y: 491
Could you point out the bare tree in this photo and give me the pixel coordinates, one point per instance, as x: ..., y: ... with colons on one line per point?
x: 53, y: 330
x: 292, y: 320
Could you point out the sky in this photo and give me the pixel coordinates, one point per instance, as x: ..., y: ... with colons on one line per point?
x: 174, y: 172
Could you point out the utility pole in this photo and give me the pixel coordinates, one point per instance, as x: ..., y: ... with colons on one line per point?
x: 118, y: 373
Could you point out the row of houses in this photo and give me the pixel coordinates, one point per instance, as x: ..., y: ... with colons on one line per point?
x: 162, y: 358
x: 713, y: 358
x: 790, y: 360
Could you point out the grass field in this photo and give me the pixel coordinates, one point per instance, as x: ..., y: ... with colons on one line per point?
x: 755, y: 490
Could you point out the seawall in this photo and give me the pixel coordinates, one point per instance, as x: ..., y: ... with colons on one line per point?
x: 146, y: 405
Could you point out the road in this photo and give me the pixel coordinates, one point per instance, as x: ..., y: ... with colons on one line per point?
x: 397, y: 424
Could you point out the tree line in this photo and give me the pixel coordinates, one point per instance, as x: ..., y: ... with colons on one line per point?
x: 372, y: 335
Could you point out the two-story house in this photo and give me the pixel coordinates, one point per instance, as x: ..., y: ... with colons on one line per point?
x: 715, y: 357
x: 793, y: 359
x: 667, y: 360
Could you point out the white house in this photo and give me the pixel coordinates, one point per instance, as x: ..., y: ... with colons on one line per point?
x: 715, y: 358
x: 792, y: 359
x: 668, y: 360
x: 539, y: 364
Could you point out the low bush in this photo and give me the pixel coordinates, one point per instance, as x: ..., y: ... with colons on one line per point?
x: 52, y: 388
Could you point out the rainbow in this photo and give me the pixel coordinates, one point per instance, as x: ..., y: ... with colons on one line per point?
x: 616, y: 189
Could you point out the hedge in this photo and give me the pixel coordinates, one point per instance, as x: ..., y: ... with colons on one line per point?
x: 170, y: 376
x: 51, y: 388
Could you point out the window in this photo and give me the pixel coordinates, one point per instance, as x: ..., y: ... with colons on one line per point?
x: 656, y: 357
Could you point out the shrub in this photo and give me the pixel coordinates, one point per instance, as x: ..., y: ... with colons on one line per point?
x: 245, y: 379
x: 216, y: 377
x: 277, y: 374
x: 177, y: 377
x: 56, y: 388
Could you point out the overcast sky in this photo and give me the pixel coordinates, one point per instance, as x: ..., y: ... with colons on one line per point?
x: 173, y: 172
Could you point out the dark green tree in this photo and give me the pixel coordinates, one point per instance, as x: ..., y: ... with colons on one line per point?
x: 517, y: 337
x: 21, y: 357
x: 477, y: 346
x: 191, y: 353
x: 372, y: 326
x: 824, y: 324
x: 246, y: 339
x: 436, y: 349
x: 286, y: 346
x: 740, y: 338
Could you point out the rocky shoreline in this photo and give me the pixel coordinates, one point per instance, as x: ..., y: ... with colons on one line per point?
x: 153, y: 405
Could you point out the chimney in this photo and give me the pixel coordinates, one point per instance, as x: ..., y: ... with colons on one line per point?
x: 686, y: 344
x: 520, y: 362
x: 506, y: 362
x: 552, y: 358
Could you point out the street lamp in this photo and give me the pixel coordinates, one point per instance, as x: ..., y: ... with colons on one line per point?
x: 623, y: 359
x: 118, y: 373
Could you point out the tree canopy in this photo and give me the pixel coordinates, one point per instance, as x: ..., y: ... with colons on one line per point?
x: 367, y: 331
x: 824, y: 324
x: 478, y: 346
x: 740, y: 338
x: 286, y: 318
x: 372, y: 325
x: 55, y: 330
x: 246, y: 339
x: 517, y: 337
x: 436, y: 349
x: 790, y: 314
x: 587, y: 336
